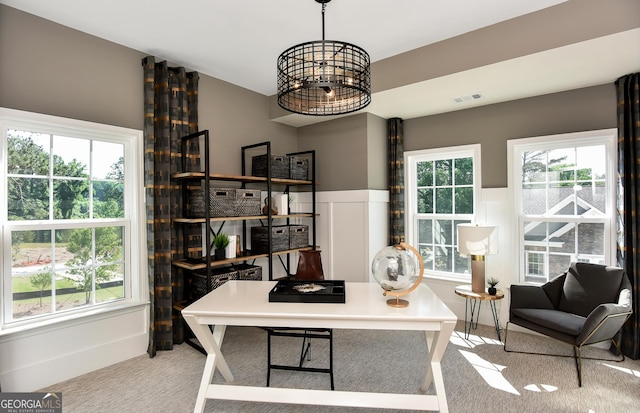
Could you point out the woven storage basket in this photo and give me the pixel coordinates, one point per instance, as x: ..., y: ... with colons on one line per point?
x: 279, y: 166
x: 219, y: 276
x: 249, y: 272
x: 298, y: 236
x: 247, y: 202
x: 221, y: 202
x: 299, y: 168
x: 260, y: 241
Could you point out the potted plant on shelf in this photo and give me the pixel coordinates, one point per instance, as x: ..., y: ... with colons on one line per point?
x: 492, y: 281
x: 220, y: 242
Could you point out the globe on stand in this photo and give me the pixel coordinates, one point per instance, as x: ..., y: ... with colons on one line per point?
x: 394, y: 268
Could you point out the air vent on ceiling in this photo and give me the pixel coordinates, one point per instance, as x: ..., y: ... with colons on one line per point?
x: 468, y: 98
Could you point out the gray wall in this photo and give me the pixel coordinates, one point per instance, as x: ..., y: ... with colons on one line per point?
x: 48, y: 68
x: 492, y: 125
x: 341, y: 152
x: 351, y: 152
x: 560, y: 25
x: 377, y: 163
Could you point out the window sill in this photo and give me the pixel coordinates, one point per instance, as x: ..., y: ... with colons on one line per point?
x: 448, y: 279
x: 31, y: 328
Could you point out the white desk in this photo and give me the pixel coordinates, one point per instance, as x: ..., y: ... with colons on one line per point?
x: 246, y: 303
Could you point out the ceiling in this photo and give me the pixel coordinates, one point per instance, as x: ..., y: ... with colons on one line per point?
x: 239, y: 41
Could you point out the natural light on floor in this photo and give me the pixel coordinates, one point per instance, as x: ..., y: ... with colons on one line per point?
x: 539, y: 389
x: 623, y: 369
x: 491, y: 372
x: 458, y: 339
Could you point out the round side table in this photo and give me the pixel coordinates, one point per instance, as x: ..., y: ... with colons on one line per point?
x: 471, y: 305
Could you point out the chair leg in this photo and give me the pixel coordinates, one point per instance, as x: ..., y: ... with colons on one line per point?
x: 331, y: 358
x: 577, y: 354
x: 506, y: 333
x: 268, y: 357
x: 617, y: 346
x: 305, y: 351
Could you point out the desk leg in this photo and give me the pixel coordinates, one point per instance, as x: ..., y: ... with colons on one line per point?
x: 437, y: 342
x: 211, y: 343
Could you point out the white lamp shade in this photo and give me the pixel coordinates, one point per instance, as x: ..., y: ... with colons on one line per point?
x: 475, y: 239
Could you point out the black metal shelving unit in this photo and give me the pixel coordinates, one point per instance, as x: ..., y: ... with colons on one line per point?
x: 205, y: 179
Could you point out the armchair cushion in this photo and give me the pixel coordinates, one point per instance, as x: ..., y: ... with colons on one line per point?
x: 555, y: 320
x: 530, y: 296
x: 553, y: 289
x: 598, y: 315
x: 586, y: 286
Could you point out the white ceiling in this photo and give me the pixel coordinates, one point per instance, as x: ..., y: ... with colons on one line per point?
x: 238, y: 41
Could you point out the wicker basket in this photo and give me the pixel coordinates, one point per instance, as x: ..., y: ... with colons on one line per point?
x: 299, y: 168
x: 247, y: 202
x: 279, y: 166
x: 298, y: 236
x: 249, y: 272
x: 260, y: 240
x: 225, y: 202
x: 198, y: 280
x: 221, y: 202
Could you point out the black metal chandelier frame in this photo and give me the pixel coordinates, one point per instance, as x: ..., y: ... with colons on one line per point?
x: 324, y: 77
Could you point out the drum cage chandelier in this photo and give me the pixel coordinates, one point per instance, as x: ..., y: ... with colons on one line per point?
x: 324, y: 77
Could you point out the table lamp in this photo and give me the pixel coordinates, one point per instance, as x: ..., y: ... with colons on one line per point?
x: 477, y: 241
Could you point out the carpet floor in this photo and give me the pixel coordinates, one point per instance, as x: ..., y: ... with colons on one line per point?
x: 479, y: 376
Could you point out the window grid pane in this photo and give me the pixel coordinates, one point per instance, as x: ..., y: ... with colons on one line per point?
x: 444, y: 195
x: 563, y: 208
x: 63, y: 268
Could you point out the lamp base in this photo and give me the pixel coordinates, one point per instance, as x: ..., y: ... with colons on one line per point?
x: 477, y: 274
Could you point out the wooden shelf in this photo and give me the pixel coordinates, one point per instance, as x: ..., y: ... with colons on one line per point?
x: 239, y: 178
x: 201, y: 178
x: 200, y: 263
x: 256, y: 217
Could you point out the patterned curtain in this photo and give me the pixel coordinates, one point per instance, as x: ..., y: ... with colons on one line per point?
x: 170, y: 112
x: 396, y: 180
x: 627, y: 88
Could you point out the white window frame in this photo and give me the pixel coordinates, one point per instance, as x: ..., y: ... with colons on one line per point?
x: 135, y: 283
x: 515, y: 147
x: 411, y: 158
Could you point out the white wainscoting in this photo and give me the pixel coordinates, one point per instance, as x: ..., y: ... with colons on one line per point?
x: 351, y: 228
x: 39, y: 358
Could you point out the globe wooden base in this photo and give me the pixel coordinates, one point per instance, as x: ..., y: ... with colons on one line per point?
x: 397, y: 303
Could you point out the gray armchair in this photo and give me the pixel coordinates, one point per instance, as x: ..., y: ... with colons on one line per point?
x: 585, y: 305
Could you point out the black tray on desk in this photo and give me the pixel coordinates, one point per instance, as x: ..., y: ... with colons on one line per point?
x: 292, y: 291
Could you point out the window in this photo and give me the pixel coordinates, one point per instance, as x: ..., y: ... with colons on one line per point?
x: 564, y: 189
x: 70, y: 217
x: 442, y: 185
